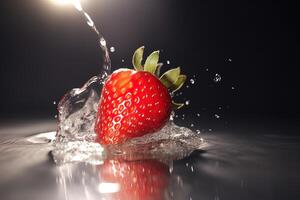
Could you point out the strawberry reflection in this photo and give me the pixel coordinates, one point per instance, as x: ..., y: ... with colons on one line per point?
x: 133, y: 180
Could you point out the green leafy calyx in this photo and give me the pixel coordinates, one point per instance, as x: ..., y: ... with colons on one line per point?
x: 171, y: 79
x: 137, y: 58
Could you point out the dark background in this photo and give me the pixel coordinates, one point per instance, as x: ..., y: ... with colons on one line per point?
x: 46, y: 50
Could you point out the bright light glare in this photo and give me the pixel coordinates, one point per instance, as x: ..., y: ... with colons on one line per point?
x: 62, y: 2
x: 108, y: 187
x: 75, y: 3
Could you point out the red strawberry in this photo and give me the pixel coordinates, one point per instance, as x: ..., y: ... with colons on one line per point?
x: 136, y: 102
x: 137, y: 180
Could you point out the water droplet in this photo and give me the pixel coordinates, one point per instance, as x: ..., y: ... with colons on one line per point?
x: 217, y: 78
x: 55, y: 116
x: 168, y: 62
x: 192, y: 125
x: 217, y: 116
x: 192, y: 168
x: 187, y: 86
x: 229, y: 59
x: 103, y: 42
x: 192, y: 81
x: 54, y: 102
x: 198, y: 131
x: 198, y: 114
x: 210, y: 130
x: 89, y: 20
x: 112, y: 49
x: 123, y: 60
x: 171, y: 168
x: 187, y: 102
x: 232, y: 88
x: 172, y: 117
x: 206, y: 69
x: 219, y: 107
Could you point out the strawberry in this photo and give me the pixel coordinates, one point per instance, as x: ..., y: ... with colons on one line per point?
x: 141, y: 179
x: 136, y: 102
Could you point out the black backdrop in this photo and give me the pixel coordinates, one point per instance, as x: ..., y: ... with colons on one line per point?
x: 46, y: 50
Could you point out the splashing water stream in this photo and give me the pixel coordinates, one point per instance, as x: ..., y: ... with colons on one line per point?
x: 78, y: 108
x: 77, y: 114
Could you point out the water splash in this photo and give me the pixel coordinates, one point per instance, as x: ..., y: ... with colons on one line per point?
x: 75, y: 107
x: 77, y: 110
x: 217, y: 116
x: 112, y: 49
x: 75, y: 138
x: 217, y: 78
x: 187, y: 102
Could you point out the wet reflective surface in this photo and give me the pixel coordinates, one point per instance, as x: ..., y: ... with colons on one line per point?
x: 238, y: 163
